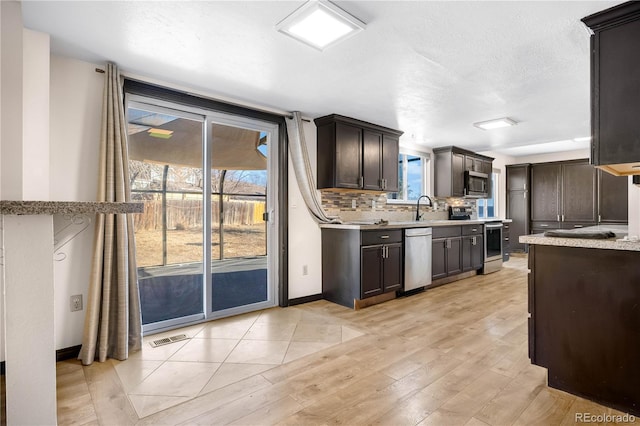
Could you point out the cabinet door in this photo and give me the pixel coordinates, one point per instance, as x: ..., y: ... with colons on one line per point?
x: 545, y: 192
x: 457, y: 172
x: 370, y: 271
x: 454, y: 255
x: 438, y: 258
x: 477, y: 252
x: 518, y: 178
x: 486, y: 167
x: 371, y: 160
x: 348, y: 156
x: 518, y: 211
x: 392, y: 269
x: 579, y: 193
x: 468, y: 163
x: 615, y: 116
x: 390, y: 154
x: 467, y: 248
x: 613, y: 198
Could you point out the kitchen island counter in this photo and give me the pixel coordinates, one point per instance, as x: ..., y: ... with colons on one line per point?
x: 584, y: 324
x: 371, y: 224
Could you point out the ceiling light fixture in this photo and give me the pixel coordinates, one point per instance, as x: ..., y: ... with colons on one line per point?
x: 583, y: 139
x: 495, y: 124
x: 320, y: 24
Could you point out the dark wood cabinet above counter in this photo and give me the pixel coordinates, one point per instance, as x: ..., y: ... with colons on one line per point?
x: 354, y: 154
x: 450, y: 166
x: 615, y: 88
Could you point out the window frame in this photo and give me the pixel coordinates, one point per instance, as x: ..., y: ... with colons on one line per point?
x: 495, y: 195
x: 426, y: 167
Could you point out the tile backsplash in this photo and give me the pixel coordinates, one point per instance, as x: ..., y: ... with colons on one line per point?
x: 341, y: 203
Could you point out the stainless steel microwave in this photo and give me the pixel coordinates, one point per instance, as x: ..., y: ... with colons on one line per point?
x: 476, y: 184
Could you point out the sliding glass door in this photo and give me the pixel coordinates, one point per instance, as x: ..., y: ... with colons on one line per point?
x: 205, y: 240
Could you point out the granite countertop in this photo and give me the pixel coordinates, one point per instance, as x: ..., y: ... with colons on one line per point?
x: 607, y: 244
x: 371, y: 225
x: 67, y: 207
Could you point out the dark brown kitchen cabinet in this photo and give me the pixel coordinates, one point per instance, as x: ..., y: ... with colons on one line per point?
x: 360, y: 264
x: 564, y: 192
x: 354, y: 154
x: 613, y: 198
x: 578, y: 193
x: 518, y: 197
x: 472, y: 257
x: 506, y: 241
x: 446, y: 253
x: 545, y: 192
x: 615, y: 88
x: 449, y: 166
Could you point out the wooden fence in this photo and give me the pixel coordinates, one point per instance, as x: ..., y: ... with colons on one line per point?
x: 187, y: 214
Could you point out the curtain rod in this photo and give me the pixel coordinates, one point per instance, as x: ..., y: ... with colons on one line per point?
x: 101, y: 71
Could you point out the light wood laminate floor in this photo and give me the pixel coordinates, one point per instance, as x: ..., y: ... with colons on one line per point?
x: 453, y: 355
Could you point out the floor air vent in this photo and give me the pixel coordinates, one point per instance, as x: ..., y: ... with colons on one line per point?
x: 167, y: 340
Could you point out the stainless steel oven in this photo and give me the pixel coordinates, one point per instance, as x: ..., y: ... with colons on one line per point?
x: 492, y: 247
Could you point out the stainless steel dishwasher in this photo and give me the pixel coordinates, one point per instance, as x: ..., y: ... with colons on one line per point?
x: 417, y: 258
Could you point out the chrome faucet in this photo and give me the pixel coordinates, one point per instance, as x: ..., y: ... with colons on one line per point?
x: 418, y: 205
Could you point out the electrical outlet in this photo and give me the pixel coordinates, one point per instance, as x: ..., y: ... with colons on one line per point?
x: 305, y: 270
x: 373, y: 204
x: 76, y: 302
x: 353, y: 203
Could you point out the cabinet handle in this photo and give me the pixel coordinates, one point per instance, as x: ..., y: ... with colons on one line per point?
x: 544, y: 225
x: 384, y: 237
x: 525, y: 186
x: 474, y: 229
x: 473, y: 241
x: 525, y: 195
x: 384, y: 184
x: 599, y: 218
x: 563, y: 218
x: 577, y: 226
x: 558, y: 218
x: 448, y: 244
x: 506, y: 238
x: 361, y: 181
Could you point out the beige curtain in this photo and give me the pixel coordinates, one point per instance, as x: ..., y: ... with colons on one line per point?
x: 113, y: 323
x: 302, y: 169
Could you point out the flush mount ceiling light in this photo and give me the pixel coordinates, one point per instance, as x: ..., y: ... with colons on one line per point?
x: 320, y: 24
x: 583, y: 139
x: 495, y: 124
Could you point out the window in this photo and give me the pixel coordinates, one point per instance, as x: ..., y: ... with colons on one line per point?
x: 412, y: 176
x: 488, y: 207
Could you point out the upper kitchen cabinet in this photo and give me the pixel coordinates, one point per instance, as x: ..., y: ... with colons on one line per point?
x: 354, y: 154
x: 451, y: 163
x: 615, y: 88
x: 564, y: 192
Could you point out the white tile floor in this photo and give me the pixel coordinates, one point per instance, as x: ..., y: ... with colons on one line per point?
x: 222, y: 352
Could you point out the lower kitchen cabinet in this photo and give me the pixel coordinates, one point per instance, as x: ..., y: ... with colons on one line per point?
x: 472, y: 248
x: 360, y: 264
x: 506, y: 241
x: 381, y: 269
x: 446, y: 253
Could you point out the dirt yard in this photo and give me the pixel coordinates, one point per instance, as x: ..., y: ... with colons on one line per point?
x: 185, y: 246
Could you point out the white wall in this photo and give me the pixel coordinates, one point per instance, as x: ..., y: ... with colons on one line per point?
x: 554, y: 156
x: 304, y: 233
x: 76, y: 109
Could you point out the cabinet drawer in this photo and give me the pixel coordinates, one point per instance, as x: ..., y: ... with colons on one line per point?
x: 545, y: 225
x: 446, y: 231
x: 472, y: 229
x: 368, y: 238
x: 575, y: 225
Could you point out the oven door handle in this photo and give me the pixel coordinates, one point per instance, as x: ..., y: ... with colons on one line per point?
x: 493, y: 226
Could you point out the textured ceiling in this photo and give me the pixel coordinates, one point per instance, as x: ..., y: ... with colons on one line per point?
x: 430, y: 69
